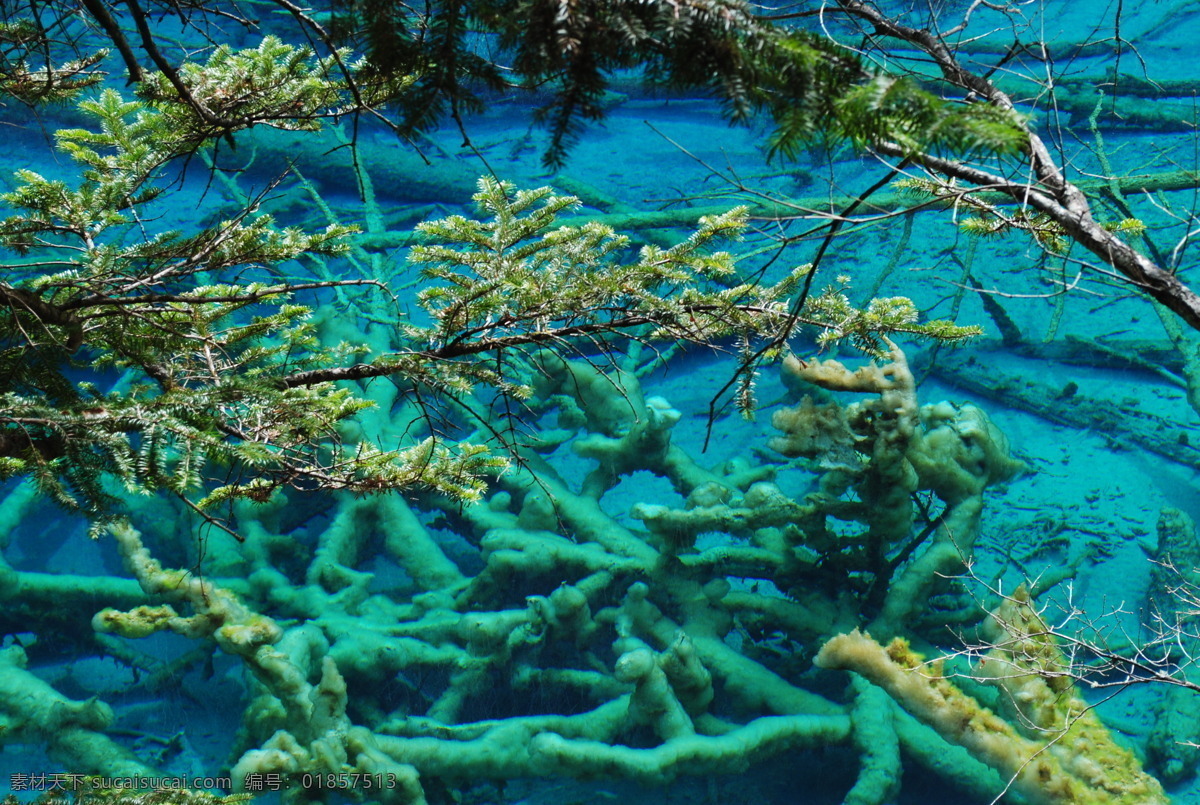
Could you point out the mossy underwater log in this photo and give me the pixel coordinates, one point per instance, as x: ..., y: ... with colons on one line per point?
x: 1052, y: 749
x: 398, y: 171
x: 679, y: 217
x: 1123, y: 425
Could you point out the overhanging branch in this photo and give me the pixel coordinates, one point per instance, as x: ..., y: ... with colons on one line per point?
x: 1051, y: 194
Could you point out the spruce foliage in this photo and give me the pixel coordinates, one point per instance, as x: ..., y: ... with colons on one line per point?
x: 28, y: 72
x: 422, y: 63
x: 138, y: 361
x: 867, y: 328
x: 987, y: 220
x: 811, y: 86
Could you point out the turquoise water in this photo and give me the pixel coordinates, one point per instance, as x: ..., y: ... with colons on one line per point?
x: 1092, y: 399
